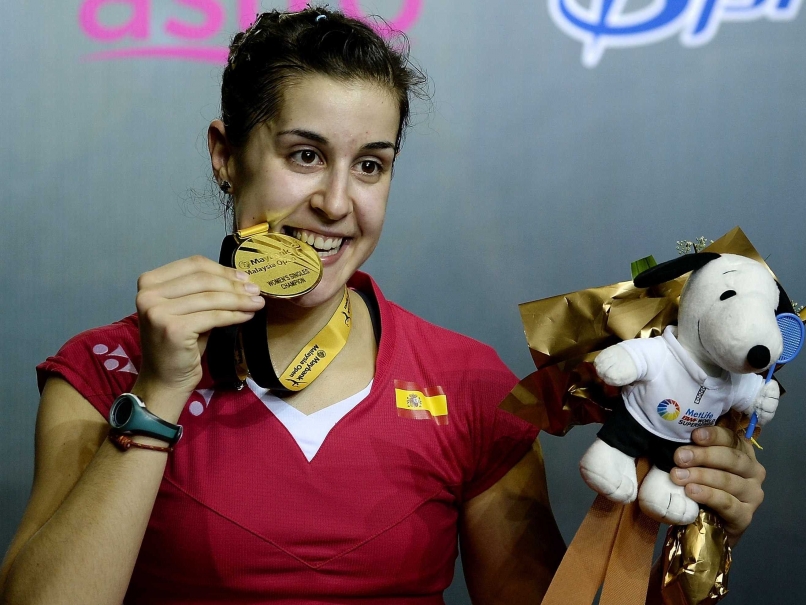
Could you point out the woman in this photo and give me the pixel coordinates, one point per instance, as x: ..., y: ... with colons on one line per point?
x: 334, y: 493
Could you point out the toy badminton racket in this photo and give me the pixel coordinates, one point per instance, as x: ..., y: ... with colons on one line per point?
x: 793, y: 332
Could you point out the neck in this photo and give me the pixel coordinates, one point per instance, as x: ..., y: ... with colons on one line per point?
x: 291, y: 326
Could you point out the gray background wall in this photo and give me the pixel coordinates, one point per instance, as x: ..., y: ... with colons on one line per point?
x: 531, y: 175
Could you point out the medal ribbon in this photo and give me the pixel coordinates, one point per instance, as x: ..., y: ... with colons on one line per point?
x: 321, y: 350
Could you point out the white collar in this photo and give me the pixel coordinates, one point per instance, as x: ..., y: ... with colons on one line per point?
x: 691, y: 366
x: 309, y: 431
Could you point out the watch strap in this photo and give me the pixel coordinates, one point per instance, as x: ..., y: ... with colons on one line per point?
x: 124, y: 443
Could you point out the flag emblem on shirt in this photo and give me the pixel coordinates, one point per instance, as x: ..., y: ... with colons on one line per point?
x: 421, y: 403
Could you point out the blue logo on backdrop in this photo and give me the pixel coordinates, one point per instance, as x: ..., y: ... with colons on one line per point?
x: 607, y: 24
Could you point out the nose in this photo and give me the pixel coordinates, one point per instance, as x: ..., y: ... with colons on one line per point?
x: 758, y: 357
x: 333, y: 200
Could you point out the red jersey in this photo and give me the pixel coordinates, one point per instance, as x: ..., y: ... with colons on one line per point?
x: 242, y: 515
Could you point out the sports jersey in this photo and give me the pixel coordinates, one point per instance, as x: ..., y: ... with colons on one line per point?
x: 243, y: 515
x: 673, y: 395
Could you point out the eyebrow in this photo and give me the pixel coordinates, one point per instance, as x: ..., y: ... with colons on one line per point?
x: 378, y: 145
x: 305, y: 134
x: 318, y: 138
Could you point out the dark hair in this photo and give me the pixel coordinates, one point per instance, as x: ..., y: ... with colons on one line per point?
x: 282, y: 47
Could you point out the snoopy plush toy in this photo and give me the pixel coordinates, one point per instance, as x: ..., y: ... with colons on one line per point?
x: 687, y: 377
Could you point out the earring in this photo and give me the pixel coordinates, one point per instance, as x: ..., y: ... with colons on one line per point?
x: 225, y: 186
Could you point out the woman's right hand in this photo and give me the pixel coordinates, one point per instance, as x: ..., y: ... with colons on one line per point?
x: 178, y: 304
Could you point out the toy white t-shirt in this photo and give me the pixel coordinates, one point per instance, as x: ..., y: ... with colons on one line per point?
x: 673, y: 395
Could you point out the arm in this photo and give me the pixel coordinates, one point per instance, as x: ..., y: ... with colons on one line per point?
x: 511, y: 545
x: 90, y: 504
x: 88, y: 510
x: 509, y: 539
x: 630, y: 361
x: 754, y: 395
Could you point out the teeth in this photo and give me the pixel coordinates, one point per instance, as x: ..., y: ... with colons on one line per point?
x: 324, y: 246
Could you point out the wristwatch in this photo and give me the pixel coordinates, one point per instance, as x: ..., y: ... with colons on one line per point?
x: 130, y: 417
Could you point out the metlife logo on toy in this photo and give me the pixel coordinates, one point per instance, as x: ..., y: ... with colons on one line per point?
x: 608, y: 24
x: 135, y: 35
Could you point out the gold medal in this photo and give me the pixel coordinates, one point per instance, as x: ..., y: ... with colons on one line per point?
x: 283, y: 266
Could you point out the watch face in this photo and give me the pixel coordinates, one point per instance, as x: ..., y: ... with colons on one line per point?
x: 121, y: 412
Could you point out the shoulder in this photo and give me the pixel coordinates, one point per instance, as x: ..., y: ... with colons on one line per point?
x: 450, y: 350
x: 471, y: 375
x: 112, y: 345
x: 654, y: 346
x: 648, y: 354
x: 417, y: 351
x: 99, y: 363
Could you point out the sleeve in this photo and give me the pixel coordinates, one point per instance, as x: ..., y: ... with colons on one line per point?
x: 100, y: 363
x: 498, y: 438
x: 648, y: 354
x: 745, y: 390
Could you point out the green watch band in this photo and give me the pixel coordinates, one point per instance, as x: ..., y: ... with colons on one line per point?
x: 130, y: 416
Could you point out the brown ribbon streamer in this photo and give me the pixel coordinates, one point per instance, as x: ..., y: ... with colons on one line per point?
x: 613, y: 547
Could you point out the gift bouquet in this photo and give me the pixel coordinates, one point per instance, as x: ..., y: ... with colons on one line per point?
x: 576, y: 385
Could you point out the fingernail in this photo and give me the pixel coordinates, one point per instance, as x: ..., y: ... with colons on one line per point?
x: 251, y: 288
x: 701, y: 434
x: 241, y: 275
x: 685, y: 455
x: 693, y: 488
x: 681, y: 473
x: 257, y: 298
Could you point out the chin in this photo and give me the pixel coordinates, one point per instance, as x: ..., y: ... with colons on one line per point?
x: 325, y: 291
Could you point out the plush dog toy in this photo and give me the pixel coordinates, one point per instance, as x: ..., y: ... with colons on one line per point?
x: 687, y: 377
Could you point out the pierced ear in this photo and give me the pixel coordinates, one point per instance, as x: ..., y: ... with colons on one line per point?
x: 220, y: 152
x: 784, y: 302
x: 673, y: 269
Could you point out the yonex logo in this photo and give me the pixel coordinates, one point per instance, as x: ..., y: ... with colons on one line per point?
x: 608, y: 24
x: 196, y: 407
x: 116, y: 361
x: 158, y: 29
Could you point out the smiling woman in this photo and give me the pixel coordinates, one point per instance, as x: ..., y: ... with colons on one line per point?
x: 382, y: 441
x: 349, y: 482
x: 320, y: 171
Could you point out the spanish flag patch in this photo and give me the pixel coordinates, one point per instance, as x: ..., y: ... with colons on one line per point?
x: 414, y: 401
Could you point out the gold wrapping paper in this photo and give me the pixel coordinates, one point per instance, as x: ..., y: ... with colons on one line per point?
x: 565, y: 333
x: 696, y: 561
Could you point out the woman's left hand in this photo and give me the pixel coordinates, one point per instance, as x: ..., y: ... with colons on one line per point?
x: 720, y: 470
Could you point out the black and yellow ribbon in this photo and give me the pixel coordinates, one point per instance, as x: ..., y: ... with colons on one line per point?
x: 308, y: 364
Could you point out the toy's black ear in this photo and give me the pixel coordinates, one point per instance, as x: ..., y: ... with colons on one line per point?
x: 784, y: 302
x: 673, y: 269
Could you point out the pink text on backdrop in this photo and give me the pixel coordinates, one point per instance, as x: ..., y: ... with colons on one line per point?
x: 137, y: 30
